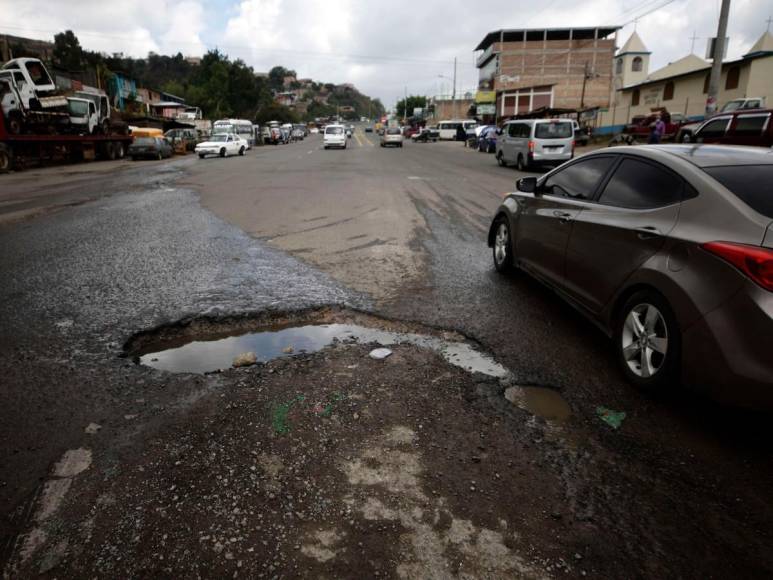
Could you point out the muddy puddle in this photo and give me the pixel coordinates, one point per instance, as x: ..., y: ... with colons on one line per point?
x: 539, y: 401
x: 208, y: 354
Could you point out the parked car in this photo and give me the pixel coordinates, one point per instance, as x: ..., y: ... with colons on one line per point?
x: 581, y: 134
x: 744, y: 103
x: 639, y: 127
x: 426, y: 135
x: 335, y: 136
x: 392, y: 136
x: 487, y: 139
x: 667, y: 248
x: 188, y: 136
x: 741, y: 127
x: 531, y: 142
x: 150, y: 148
x: 222, y: 144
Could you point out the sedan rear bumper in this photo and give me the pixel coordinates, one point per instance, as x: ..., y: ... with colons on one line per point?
x: 728, y: 352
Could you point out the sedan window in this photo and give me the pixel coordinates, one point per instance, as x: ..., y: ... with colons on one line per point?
x: 639, y: 185
x: 580, y: 179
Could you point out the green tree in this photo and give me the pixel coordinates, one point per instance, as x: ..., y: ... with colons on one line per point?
x: 413, y: 102
x: 276, y: 77
x: 67, y: 53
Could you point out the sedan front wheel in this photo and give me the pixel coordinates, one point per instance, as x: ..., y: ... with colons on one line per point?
x: 503, y: 246
x: 648, y: 340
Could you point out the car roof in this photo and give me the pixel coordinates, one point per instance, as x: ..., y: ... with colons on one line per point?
x: 702, y: 155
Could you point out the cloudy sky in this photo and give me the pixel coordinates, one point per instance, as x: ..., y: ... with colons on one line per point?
x: 381, y: 47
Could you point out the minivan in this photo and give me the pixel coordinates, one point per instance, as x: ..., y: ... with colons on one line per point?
x: 447, y: 129
x: 335, y: 136
x: 530, y: 142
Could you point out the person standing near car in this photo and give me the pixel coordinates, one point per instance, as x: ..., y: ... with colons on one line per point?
x: 656, y: 131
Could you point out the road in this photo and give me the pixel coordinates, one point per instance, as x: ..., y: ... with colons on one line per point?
x: 94, y: 254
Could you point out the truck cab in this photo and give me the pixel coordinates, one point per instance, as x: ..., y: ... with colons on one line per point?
x: 83, y: 115
x: 102, y: 107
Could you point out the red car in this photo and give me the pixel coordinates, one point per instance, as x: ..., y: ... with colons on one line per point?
x: 639, y: 127
x: 741, y: 127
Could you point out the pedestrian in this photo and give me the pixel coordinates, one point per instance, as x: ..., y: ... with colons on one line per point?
x: 656, y: 131
x: 461, y: 134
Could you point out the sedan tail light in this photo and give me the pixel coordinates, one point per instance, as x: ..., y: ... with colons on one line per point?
x: 754, y: 261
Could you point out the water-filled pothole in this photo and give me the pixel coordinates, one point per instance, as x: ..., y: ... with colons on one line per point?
x: 215, y: 348
x: 539, y: 401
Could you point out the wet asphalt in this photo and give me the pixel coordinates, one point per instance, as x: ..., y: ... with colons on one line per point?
x: 134, y: 248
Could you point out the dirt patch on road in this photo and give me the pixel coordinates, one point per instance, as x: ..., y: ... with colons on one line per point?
x: 332, y: 465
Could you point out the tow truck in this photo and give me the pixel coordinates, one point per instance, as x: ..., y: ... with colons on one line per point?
x: 19, y: 148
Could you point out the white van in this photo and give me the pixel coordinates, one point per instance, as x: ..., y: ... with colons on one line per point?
x: 529, y: 142
x: 448, y: 129
x: 240, y: 127
x: 335, y: 136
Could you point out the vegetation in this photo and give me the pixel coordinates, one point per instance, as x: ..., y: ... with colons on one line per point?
x: 413, y: 102
x: 221, y: 87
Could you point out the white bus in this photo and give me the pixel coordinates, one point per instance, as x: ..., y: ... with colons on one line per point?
x: 448, y: 129
x: 241, y: 127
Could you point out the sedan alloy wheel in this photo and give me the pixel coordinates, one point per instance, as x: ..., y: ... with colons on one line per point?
x: 645, y: 340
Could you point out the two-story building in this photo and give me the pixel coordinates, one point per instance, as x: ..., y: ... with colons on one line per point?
x: 560, y: 68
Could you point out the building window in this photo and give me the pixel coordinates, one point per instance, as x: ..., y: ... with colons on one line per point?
x: 668, y: 91
x: 706, y: 84
x: 619, y: 66
x: 635, y: 98
x: 637, y: 64
x: 526, y: 100
x: 733, y: 76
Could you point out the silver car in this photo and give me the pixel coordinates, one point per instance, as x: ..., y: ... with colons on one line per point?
x: 527, y: 143
x: 392, y: 136
x: 668, y: 249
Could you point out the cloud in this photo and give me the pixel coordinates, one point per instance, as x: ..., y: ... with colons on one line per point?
x: 381, y: 47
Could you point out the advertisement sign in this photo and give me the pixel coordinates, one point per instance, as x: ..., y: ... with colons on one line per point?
x: 486, y: 109
x: 418, y: 111
x: 486, y: 97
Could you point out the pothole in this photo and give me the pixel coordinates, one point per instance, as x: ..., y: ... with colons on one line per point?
x: 202, y: 346
x: 540, y: 401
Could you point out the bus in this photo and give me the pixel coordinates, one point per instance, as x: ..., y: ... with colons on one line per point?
x: 240, y: 127
x: 448, y: 129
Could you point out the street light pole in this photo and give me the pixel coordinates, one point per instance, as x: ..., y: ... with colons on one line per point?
x: 716, y: 65
x: 453, y: 94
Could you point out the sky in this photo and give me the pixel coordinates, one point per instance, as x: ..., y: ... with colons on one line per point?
x: 384, y: 48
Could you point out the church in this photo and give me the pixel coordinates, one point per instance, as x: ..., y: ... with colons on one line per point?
x: 682, y: 86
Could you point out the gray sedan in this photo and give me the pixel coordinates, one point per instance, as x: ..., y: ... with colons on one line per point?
x: 668, y: 249
x: 150, y: 148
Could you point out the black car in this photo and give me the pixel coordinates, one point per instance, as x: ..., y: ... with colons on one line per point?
x: 150, y: 148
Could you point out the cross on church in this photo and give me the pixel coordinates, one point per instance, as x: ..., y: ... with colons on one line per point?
x: 693, y: 38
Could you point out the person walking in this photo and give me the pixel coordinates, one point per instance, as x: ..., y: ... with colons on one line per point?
x: 656, y: 131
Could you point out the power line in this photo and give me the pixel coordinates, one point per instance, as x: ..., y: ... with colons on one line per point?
x: 313, y: 54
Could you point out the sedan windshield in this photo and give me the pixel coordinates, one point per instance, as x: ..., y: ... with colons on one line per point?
x: 393, y: 131
x: 752, y: 184
x: 145, y: 141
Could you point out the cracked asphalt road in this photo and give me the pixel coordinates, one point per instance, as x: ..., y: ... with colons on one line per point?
x: 94, y: 253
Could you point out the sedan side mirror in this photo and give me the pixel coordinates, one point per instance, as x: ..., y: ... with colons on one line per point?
x: 527, y: 184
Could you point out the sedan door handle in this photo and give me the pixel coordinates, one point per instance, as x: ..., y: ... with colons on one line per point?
x: 647, y: 232
x: 563, y: 216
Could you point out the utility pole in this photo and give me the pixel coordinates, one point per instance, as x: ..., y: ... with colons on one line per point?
x: 453, y: 93
x: 716, y: 65
x: 405, y: 105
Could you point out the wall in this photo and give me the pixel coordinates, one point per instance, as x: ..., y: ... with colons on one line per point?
x: 561, y: 63
x: 756, y: 79
x: 449, y: 109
